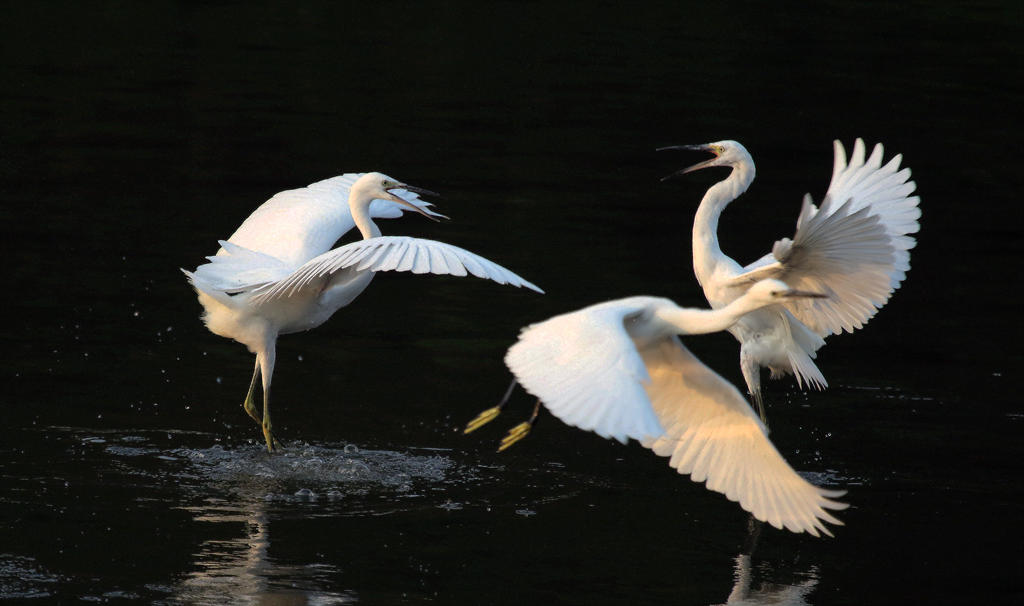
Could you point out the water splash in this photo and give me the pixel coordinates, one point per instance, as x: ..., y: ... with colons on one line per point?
x: 21, y: 577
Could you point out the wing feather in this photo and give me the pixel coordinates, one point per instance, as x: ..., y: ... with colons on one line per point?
x: 855, y: 247
x: 455, y: 267
x: 584, y: 367
x: 238, y: 268
x: 594, y: 369
x: 436, y: 259
x: 387, y: 253
x: 712, y: 434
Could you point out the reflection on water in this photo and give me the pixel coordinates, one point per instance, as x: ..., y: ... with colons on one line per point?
x: 22, y: 577
x: 244, y: 490
x: 768, y: 593
x: 239, y: 570
x: 258, y: 528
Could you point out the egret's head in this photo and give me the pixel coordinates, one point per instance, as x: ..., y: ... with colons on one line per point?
x: 727, y: 153
x: 770, y: 291
x: 373, y: 186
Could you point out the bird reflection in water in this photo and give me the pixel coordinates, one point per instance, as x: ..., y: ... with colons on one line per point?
x: 779, y: 594
x: 239, y: 571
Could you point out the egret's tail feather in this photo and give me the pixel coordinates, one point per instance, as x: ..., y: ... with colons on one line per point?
x: 237, y: 269
x: 806, y: 371
x: 205, y: 288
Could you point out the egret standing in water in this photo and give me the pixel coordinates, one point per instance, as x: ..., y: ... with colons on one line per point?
x: 854, y: 248
x: 619, y: 369
x: 276, y: 274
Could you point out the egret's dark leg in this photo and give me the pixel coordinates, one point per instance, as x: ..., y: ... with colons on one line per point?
x: 759, y: 403
x: 520, y: 431
x: 752, y: 376
x: 250, y: 401
x: 754, y: 527
x: 488, y: 415
x: 266, y: 359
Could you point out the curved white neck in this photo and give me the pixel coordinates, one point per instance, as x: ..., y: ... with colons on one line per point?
x: 359, y: 205
x: 707, y: 253
x: 689, y: 321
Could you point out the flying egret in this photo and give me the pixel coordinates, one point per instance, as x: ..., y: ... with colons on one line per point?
x: 619, y: 369
x: 854, y: 248
x: 276, y: 274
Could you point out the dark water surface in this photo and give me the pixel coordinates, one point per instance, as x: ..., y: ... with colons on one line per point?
x: 135, y: 137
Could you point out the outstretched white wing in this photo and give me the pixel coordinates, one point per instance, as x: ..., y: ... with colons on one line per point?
x: 855, y: 248
x: 712, y: 434
x: 388, y: 253
x: 585, y: 368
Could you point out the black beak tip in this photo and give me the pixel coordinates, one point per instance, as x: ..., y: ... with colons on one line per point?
x: 700, y: 147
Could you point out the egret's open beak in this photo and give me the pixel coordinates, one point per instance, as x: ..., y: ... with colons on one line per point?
x: 803, y: 294
x: 697, y: 166
x: 416, y: 190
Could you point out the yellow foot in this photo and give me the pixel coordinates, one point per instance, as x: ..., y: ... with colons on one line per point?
x: 273, y: 443
x: 482, y: 419
x: 515, y: 434
x: 251, y: 411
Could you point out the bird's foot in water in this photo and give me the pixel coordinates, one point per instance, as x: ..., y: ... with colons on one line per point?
x: 273, y: 444
x: 482, y: 419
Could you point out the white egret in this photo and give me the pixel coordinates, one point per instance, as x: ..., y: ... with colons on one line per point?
x: 276, y: 274
x: 854, y: 248
x: 619, y: 369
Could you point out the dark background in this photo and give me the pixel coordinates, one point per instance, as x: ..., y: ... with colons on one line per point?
x: 133, y: 137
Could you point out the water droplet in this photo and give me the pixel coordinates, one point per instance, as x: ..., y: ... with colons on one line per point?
x: 305, y: 493
x: 351, y: 449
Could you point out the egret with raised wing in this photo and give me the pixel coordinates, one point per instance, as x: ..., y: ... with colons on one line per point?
x: 855, y: 248
x: 277, y: 273
x: 619, y: 369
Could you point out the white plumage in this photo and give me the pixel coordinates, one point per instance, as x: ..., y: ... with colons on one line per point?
x: 618, y: 369
x: 276, y: 274
x: 386, y: 253
x: 854, y: 248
